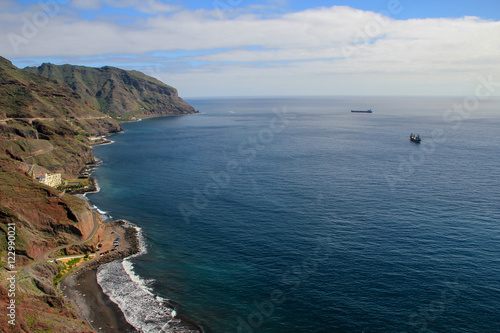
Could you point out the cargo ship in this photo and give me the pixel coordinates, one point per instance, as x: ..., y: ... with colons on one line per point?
x: 415, y: 138
x: 367, y: 111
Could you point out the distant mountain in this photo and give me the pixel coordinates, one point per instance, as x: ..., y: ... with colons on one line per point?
x: 24, y: 95
x: 116, y: 92
x: 48, y: 123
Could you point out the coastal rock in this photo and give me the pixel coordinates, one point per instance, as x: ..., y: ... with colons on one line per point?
x: 33, y: 107
x: 45, y: 270
x: 42, y: 276
x: 45, y: 224
x: 44, y: 286
x: 57, y: 303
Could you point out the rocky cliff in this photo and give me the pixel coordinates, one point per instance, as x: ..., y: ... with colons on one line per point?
x: 116, y: 92
x: 47, y: 125
x: 42, y: 123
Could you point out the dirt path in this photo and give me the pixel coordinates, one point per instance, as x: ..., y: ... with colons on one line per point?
x: 93, y: 117
x: 30, y: 120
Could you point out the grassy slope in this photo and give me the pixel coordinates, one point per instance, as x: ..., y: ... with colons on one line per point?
x: 43, y: 221
x: 26, y: 95
x: 65, y: 119
x: 57, y: 140
x: 44, y: 218
x: 116, y: 92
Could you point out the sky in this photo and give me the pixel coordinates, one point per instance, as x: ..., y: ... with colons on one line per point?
x: 217, y: 48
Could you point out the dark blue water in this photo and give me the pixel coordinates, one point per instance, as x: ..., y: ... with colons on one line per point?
x: 294, y: 215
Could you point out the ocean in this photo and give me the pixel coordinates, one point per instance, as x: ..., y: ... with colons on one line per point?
x: 296, y: 215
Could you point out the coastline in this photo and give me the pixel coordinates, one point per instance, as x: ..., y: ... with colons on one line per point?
x: 81, y: 289
x: 86, y: 296
x: 109, y: 317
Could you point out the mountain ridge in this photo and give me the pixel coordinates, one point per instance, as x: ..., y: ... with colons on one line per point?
x: 44, y: 125
x: 116, y: 92
x: 48, y: 127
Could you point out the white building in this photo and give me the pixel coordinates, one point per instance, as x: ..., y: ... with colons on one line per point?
x: 53, y: 180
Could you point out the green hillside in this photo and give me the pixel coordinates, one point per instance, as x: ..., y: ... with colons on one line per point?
x: 36, y: 108
x: 44, y: 126
x: 47, y: 126
x: 119, y: 93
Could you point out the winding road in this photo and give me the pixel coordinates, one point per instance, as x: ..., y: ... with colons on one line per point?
x: 30, y: 120
x: 44, y: 257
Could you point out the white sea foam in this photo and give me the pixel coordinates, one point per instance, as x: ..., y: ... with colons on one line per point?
x: 107, y: 143
x: 97, y: 189
x: 104, y: 215
x: 142, y: 309
x: 104, y: 144
x: 100, y: 211
x: 141, y: 283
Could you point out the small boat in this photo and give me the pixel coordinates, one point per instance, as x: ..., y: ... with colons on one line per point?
x: 367, y: 111
x: 415, y: 138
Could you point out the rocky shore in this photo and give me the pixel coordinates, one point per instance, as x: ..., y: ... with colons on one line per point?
x: 86, y: 296
x: 81, y: 289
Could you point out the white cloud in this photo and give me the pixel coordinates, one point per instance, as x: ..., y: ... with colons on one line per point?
x: 193, y: 30
x: 143, y: 6
x: 87, y: 4
x: 326, y: 47
x: 9, y: 5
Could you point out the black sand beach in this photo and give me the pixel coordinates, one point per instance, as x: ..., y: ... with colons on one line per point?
x: 86, y: 296
x: 98, y: 310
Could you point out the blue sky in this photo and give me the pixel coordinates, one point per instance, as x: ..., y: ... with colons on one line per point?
x: 267, y: 47
x: 489, y: 9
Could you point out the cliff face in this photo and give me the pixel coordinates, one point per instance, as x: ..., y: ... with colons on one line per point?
x: 24, y: 95
x: 44, y: 219
x: 34, y: 108
x: 116, y: 92
x: 44, y: 123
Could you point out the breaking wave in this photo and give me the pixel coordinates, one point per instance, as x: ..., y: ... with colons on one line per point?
x: 141, y: 307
